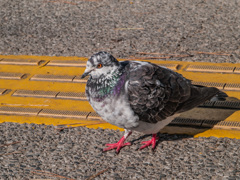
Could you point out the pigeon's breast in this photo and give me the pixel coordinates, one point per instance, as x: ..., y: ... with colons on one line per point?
x: 116, y: 110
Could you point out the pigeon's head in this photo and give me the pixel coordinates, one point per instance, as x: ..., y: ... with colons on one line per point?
x: 101, y: 63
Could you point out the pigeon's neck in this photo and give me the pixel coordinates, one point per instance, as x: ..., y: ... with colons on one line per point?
x: 104, y: 86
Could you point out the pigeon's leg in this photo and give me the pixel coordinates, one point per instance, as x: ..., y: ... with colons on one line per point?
x: 120, y: 143
x: 150, y: 142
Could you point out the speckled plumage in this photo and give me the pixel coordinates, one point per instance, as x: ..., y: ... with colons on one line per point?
x: 140, y: 96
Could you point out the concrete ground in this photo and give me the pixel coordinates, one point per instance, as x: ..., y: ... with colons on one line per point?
x: 188, y: 30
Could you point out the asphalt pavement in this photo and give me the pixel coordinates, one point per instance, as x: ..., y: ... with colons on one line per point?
x: 123, y: 28
x: 187, y: 30
x: 31, y: 151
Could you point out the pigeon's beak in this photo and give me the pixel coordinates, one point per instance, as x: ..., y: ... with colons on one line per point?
x: 86, y: 72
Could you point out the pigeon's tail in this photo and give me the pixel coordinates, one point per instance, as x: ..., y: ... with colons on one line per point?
x: 220, y: 96
x: 200, y: 94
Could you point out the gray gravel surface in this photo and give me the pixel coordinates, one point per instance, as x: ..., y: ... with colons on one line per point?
x: 123, y: 28
x: 77, y: 153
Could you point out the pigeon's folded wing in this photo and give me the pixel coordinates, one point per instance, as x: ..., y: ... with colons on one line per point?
x: 156, y: 92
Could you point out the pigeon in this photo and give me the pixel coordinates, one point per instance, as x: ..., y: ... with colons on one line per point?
x: 139, y: 96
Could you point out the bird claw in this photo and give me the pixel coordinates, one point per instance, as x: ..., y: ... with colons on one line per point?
x: 117, y: 145
x: 150, y: 142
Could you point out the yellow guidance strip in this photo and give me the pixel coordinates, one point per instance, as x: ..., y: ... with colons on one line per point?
x: 48, y: 90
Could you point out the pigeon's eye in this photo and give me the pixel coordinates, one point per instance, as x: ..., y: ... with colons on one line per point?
x: 99, y: 65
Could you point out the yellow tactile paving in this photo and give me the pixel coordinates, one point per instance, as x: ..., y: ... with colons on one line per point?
x: 72, y: 95
x: 12, y: 76
x: 35, y: 93
x: 170, y: 66
x: 21, y: 62
x: 185, y: 121
x: 19, y: 110
x: 227, y: 104
x: 67, y: 114
x: 237, y: 70
x: 49, y: 77
x: 210, y: 84
x: 67, y: 63
x: 232, y: 87
x: 55, y: 121
x: 2, y: 91
x: 49, y: 90
x: 228, y: 125
x: 208, y: 68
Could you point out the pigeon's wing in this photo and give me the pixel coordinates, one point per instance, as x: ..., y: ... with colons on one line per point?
x: 156, y: 92
x: 199, y: 94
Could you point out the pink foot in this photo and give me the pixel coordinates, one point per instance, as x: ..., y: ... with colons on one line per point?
x: 150, y: 142
x: 117, y: 145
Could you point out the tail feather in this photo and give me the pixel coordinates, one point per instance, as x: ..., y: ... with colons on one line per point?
x: 200, y: 94
x: 220, y: 96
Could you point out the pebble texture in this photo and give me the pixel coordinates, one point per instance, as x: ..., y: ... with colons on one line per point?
x: 123, y: 28
x: 43, y: 152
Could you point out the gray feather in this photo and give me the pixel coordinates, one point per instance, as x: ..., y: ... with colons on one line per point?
x: 156, y: 93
